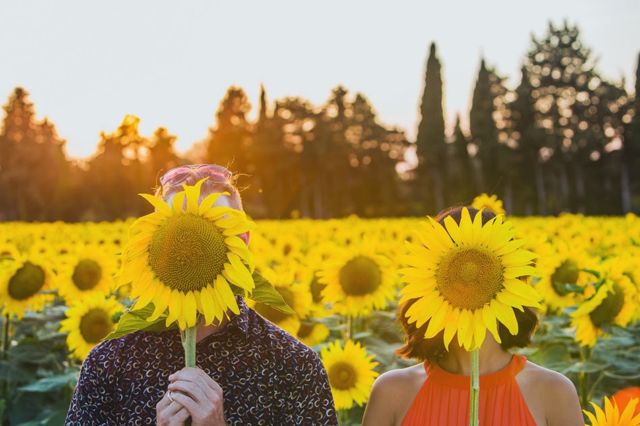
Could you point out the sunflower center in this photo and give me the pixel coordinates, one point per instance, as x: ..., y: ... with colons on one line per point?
x: 361, y: 275
x: 305, y: 329
x: 342, y: 376
x: 566, y: 273
x: 95, y: 325
x: 610, y: 307
x: 26, y: 281
x: 187, y: 252
x: 469, y: 278
x: 86, y: 274
x: 272, y: 314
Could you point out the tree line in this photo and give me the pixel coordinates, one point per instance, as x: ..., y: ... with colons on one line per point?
x: 566, y: 139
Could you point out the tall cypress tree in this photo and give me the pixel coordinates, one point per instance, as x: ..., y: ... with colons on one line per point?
x: 483, y: 128
x: 430, y: 140
x: 459, y: 174
x: 529, y: 139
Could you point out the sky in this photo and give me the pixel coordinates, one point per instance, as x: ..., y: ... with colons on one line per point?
x: 87, y: 64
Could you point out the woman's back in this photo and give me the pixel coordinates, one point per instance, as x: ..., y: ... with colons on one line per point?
x: 443, y: 399
x: 520, y: 393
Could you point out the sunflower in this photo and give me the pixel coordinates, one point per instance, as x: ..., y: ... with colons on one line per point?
x: 88, y: 321
x: 185, y: 259
x: 611, y: 415
x: 312, y: 333
x: 24, y: 283
x: 87, y: 271
x: 293, y: 293
x: 466, y: 279
x: 613, y: 303
x: 351, y: 373
x: 357, y: 279
x: 562, y: 274
x: 489, y: 202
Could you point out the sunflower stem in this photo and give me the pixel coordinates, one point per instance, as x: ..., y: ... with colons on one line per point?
x: 5, y: 337
x: 189, y: 344
x: 474, y: 392
x: 583, y: 377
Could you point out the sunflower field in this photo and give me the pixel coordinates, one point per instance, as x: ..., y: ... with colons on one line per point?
x: 342, y: 278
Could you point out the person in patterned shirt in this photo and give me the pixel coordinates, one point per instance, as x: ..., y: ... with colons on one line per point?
x: 249, y: 371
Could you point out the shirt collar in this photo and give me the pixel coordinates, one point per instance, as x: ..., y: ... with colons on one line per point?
x: 240, y: 321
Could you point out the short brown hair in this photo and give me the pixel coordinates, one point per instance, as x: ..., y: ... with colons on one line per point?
x: 418, y: 347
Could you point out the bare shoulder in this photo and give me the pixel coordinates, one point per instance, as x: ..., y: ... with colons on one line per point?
x: 550, y: 380
x: 551, y: 397
x: 401, y: 377
x: 392, y: 394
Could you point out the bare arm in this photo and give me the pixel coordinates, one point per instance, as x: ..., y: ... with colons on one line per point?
x: 561, y: 400
x: 380, y: 410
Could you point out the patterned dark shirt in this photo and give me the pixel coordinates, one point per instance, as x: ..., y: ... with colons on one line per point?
x: 268, y: 377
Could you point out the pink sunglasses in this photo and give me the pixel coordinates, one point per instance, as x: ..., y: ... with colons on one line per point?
x: 181, y: 174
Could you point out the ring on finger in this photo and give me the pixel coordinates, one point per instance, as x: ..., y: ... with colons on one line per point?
x: 169, y: 396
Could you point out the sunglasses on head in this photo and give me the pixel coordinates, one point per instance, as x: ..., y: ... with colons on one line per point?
x: 179, y: 174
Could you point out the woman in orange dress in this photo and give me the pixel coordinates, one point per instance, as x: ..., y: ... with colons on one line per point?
x: 513, y: 390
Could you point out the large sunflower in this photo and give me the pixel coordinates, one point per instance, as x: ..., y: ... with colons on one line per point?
x: 185, y: 259
x: 466, y: 278
x: 88, y: 321
x: 351, y: 373
x: 87, y: 271
x: 357, y: 280
x: 612, y: 414
x: 25, y: 283
x: 614, y: 303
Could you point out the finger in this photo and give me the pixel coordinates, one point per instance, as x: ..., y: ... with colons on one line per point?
x: 163, y: 403
x: 179, y: 418
x: 193, y: 390
x: 188, y: 403
x: 197, y: 375
x: 171, y: 410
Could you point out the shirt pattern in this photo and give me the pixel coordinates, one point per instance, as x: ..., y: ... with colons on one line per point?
x: 268, y: 377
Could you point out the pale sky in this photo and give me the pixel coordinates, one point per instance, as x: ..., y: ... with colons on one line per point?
x: 87, y: 63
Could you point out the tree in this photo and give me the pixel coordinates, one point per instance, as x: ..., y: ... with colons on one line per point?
x: 274, y: 164
x: 162, y: 153
x: 561, y: 71
x: 632, y: 142
x: 459, y: 180
x: 482, y: 125
x: 229, y: 141
x: 430, y: 140
x: 529, y: 139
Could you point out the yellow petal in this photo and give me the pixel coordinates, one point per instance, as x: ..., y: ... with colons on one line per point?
x: 505, y: 315
x: 193, y: 194
x: 160, y: 205
x: 436, y: 323
x: 190, y: 310
x: 489, y: 320
x: 178, y: 201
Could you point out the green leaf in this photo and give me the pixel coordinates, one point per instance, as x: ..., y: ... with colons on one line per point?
x: 132, y: 321
x: 264, y: 292
x: 51, y: 383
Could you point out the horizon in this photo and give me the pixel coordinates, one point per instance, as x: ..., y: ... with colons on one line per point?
x: 82, y: 93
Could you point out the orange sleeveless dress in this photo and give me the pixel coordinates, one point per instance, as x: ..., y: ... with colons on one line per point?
x: 443, y: 399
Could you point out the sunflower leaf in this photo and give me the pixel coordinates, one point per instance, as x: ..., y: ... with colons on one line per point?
x: 132, y: 321
x: 265, y: 292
